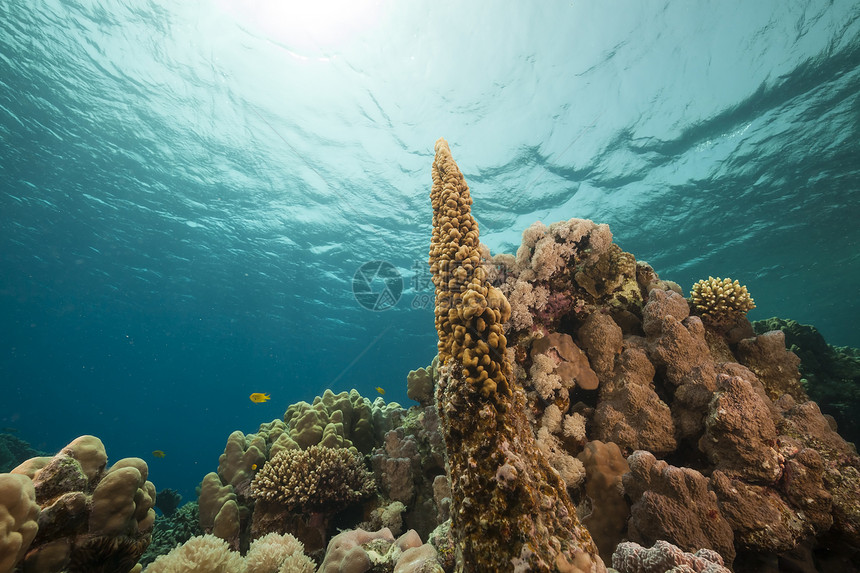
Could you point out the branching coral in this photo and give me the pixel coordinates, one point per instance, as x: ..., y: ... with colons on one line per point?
x: 313, y: 479
x: 720, y: 301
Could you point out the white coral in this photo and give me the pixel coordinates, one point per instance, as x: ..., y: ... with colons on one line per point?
x: 570, y: 469
x: 552, y: 418
x: 276, y: 553
x: 574, y: 427
x: 543, y: 380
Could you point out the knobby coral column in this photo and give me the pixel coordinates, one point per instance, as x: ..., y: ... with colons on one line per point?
x: 510, y: 509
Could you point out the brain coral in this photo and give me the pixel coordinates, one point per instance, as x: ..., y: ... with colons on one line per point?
x: 720, y: 301
x: 314, y: 479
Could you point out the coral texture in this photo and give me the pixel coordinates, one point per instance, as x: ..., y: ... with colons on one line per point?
x: 607, y: 521
x: 420, y: 382
x: 829, y: 374
x: 342, y: 420
x: 674, y: 503
x: 720, y: 301
x: 663, y: 557
x: 313, y: 479
x: 204, y: 554
x: 510, y: 509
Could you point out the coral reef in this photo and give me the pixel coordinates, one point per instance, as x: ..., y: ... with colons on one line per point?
x: 829, y: 374
x: 92, y: 518
x: 674, y: 503
x: 606, y: 397
x: 755, y: 468
x: 344, y: 422
x: 510, y: 509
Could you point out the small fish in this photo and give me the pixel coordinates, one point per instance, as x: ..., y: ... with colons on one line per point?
x: 259, y: 397
x: 381, y: 390
x: 158, y: 454
x: 253, y: 466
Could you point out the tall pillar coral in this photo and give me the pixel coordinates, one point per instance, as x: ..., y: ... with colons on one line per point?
x: 510, y: 509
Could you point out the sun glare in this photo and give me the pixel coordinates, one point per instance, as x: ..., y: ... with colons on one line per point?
x: 309, y: 28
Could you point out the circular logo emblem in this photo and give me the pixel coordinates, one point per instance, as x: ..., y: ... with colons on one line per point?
x: 377, y: 285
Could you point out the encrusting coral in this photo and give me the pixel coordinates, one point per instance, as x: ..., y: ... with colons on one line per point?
x: 358, y: 551
x: 829, y: 374
x: 510, y: 509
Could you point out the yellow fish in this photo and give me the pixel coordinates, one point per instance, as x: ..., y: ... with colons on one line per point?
x: 158, y: 454
x: 259, y: 397
x: 381, y: 390
x: 253, y: 466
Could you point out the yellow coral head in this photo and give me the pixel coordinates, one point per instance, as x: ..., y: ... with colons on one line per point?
x: 720, y: 301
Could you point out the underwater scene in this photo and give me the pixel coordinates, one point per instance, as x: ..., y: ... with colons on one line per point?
x: 411, y: 286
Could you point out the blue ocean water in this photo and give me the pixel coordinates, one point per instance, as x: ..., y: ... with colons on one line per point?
x: 188, y: 189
